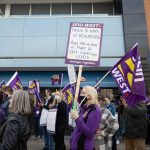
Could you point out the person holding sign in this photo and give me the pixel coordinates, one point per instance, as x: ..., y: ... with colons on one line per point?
x: 87, y: 122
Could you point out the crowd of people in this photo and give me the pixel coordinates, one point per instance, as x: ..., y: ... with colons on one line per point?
x: 100, y: 122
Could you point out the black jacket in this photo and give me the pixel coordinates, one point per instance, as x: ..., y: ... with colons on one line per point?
x: 61, y: 118
x: 5, y: 105
x: 15, y: 132
x: 135, y: 123
x: 50, y: 101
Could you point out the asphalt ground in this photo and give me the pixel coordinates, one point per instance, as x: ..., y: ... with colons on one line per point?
x: 38, y: 144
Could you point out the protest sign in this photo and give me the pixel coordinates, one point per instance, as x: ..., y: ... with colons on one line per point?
x: 84, y: 44
x: 83, y: 48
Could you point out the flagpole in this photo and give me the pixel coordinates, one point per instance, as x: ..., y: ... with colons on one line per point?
x: 94, y: 87
x: 12, y: 78
x: 101, y: 79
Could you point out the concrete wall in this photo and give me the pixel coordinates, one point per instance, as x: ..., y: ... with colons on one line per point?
x: 41, y: 42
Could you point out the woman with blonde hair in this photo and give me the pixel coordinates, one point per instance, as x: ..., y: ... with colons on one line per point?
x: 15, y: 131
x: 87, y: 122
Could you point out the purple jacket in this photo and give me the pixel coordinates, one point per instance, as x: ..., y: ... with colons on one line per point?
x: 88, y: 129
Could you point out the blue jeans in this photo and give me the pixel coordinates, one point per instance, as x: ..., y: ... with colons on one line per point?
x: 48, y: 139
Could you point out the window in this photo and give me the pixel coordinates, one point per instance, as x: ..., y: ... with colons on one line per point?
x: 40, y: 9
x: 20, y: 9
x: 81, y: 8
x: 103, y: 8
x: 61, y: 9
x: 2, y: 9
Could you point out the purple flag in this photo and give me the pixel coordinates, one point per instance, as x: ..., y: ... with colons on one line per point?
x: 69, y: 93
x: 37, y: 96
x: 57, y: 79
x: 33, y: 88
x: 2, y: 84
x: 15, y: 82
x: 128, y: 75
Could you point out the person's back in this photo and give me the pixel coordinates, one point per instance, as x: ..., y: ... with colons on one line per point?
x: 135, y: 121
x: 148, y: 123
x: 15, y: 132
x: 135, y: 126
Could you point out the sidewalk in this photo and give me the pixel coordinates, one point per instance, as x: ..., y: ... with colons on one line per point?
x: 38, y: 144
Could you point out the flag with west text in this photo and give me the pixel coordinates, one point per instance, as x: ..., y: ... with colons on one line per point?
x: 128, y: 74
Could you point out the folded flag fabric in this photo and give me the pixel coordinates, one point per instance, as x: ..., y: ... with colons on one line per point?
x: 69, y: 93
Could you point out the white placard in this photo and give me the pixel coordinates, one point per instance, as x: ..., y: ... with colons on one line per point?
x: 43, y: 117
x: 51, y: 120
x: 84, y: 44
x: 71, y: 74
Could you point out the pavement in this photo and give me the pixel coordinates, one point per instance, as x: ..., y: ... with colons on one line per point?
x: 38, y: 144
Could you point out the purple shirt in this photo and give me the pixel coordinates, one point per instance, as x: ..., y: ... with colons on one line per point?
x: 88, y: 129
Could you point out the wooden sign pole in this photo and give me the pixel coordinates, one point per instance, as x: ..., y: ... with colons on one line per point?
x: 77, y: 87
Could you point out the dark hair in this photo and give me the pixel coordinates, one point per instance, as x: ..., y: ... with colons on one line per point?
x: 48, y: 91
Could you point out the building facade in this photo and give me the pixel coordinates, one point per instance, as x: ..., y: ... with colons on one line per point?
x: 34, y: 34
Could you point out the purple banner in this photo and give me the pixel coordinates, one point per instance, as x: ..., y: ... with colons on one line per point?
x: 37, y: 96
x: 33, y: 88
x: 15, y: 82
x: 57, y: 79
x: 128, y: 75
x: 84, y: 44
x: 69, y: 93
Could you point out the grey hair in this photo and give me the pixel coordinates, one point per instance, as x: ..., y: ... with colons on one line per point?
x: 21, y: 102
